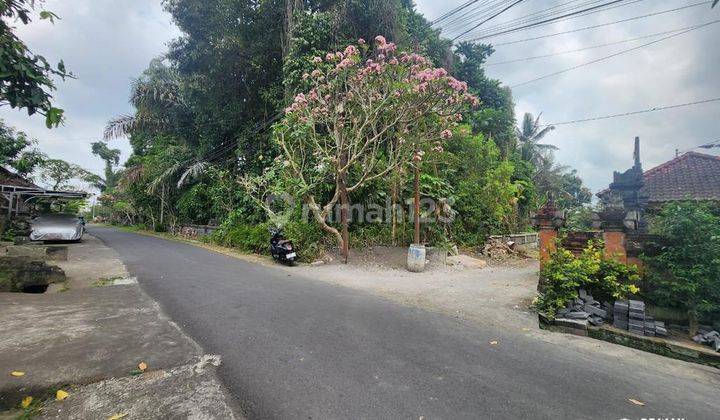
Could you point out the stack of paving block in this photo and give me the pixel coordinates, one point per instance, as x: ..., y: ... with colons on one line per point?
x: 630, y: 315
x: 636, y: 321
x: 649, y: 326
x: 621, y: 311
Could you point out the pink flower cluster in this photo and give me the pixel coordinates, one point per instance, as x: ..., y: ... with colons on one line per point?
x: 413, y: 58
x: 299, y: 103
x: 384, y: 46
x: 457, y: 85
x: 428, y: 75
x: 344, y: 64
x: 351, y: 50
x: 446, y: 134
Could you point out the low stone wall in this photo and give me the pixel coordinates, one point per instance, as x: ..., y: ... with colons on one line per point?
x: 529, y: 239
x: 194, y: 231
x: 657, y: 345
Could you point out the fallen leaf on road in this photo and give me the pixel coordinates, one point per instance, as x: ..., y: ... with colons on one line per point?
x: 117, y: 416
x: 26, y: 402
x: 636, y: 402
x: 142, y: 366
x: 17, y: 373
x: 61, y: 395
x: 493, y: 343
x: 526, y: 329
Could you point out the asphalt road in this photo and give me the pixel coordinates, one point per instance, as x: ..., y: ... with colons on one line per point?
x: 295, y: 348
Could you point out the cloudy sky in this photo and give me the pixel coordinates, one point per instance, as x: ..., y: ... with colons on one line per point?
x: 108, y: 42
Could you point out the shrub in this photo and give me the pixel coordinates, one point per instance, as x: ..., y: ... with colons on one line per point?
x: 565, y: 273
x: 308, y: 238
x: 685, y: 273
x: 249, y: 238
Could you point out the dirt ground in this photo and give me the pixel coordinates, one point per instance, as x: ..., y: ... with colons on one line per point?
x: 500, y: 293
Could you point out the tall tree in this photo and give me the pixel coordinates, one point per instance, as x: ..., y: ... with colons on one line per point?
x: 58, y: 174
x: 529, y: 135
x: 111, y: 157
x: 25, y: 77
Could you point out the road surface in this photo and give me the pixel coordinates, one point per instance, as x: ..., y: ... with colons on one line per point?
x: 295, y: 348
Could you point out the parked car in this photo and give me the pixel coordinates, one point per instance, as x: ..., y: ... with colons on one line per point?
x: 57, y: 227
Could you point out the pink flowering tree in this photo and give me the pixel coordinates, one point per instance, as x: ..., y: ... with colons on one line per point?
x: 366, y: 112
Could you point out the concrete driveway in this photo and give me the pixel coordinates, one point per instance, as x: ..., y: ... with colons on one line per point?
x: 293, y: 347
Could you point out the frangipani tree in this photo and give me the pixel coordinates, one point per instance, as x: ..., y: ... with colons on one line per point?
x: 366, y: 112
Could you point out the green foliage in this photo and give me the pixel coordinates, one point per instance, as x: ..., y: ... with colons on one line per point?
x: 685, y: 272
x: 16, y: 151
x: 564, y: 274
x: 579, y: 218
x: 25, y: 77
x: 111, y: 157
x: 58, y: 173
x: 308, y: 239
x: 203, y: 110
x: 249, y: 238
x: 485, y: 195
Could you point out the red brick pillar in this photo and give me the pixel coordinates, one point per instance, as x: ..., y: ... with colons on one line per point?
x: 548, y: 220
x: 547, y: 239
x: 615, y: 246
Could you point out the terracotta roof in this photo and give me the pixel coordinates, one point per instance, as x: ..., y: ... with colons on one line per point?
x: 14, y: 180
x: 694, y: 176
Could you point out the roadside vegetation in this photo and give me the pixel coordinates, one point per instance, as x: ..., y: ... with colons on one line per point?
x: 236, y: 113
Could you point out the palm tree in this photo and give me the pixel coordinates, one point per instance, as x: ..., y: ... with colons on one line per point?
x: 160, y: 109
x: 529, y: 135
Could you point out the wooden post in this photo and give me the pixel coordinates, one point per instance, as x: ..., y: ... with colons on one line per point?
x: 417, y: 203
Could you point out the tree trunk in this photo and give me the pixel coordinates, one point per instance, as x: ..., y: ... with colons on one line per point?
x: 393, y: 213
x: 344, y: 207
x: 694, y: 322
x: 291, y: 6
x: 162, y: 205
x: 317, y: 214
x: 417, y: 203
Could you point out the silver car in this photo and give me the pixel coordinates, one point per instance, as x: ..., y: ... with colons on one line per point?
x: 57, y: 227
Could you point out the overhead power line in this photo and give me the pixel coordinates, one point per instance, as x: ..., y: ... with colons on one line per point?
x: 480, y: 11
x: 624, y: 41
x: 454, y: 11
x: 559, y: 10
x: 492, y: 17
x: 600, y: 25
x: 607, y: 57
x: 627, y: 114
x: 549, y: 20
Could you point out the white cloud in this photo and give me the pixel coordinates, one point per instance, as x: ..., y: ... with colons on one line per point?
x: 108, y: 42
x: 678, y: 70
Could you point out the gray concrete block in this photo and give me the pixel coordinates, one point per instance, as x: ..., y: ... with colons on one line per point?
x: 593, y: 310
x: 577, y: 315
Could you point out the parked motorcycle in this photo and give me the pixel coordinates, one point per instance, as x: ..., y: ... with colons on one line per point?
x: 281, y: 249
